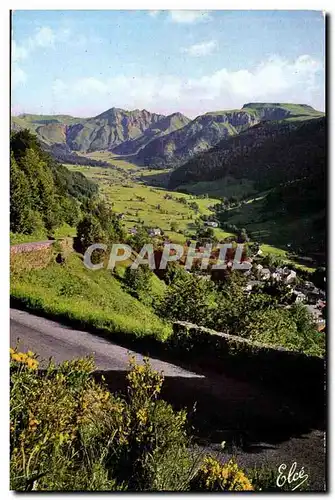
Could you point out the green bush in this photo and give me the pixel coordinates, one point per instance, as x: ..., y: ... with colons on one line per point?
x: 188, y: 298
x: 138, y: 282
x: 43, y: 193
x: 214, y: 476
x: 69, y: 433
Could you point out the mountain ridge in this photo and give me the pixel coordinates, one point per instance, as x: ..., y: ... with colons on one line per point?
x: 206, y: 130
x: 154, y: 139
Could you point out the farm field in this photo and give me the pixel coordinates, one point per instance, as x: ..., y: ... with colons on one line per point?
x: 154, y: 206
x: 124, y: 185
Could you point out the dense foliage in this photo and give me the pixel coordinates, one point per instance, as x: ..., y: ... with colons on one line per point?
x: 43, y: 194
x: 226, y: 306
x: 268, y: 154
x: 69, y: 432
x: 98, y: 225
x: 138, y: 282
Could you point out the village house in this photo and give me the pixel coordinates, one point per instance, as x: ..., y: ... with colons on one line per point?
x: 250, y: 285
x: 265, y: 274
x: 211, y: 223
x: 286, y: 275
x: 154, y: 232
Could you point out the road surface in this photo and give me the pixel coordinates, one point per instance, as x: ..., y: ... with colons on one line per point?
x: 48, y: 338
x: 260, y: 427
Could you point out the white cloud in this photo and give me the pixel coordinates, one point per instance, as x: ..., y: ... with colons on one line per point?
x: 154, y: 13
x: 274, y: 80
x: 189, y: 16
x: 44, y: 37
x: 18, y: 52
x: 85, y: 86
x: 200, y: 49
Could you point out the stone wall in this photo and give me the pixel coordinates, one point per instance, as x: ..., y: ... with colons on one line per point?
x: 37, y: 255
x: 292, y: 371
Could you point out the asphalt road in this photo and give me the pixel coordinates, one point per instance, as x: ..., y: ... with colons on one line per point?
x: 48, y: 338
x: 259, y: 426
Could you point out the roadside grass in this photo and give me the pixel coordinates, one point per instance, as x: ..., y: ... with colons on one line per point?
x: 18, y: 238
x: 94, y: 299
x: 65, y: 231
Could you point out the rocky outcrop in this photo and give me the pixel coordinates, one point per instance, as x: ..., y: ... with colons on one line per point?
x: 153, y: 139
x: 109, y: 129
x: 197, y: 136
x: 160, y: 128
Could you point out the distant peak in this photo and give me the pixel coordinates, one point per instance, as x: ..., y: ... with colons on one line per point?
x: 178, y: 115
x: 275, y: 104
x: 110, y: 111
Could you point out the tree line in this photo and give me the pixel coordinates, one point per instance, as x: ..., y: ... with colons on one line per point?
x: 43, y: 193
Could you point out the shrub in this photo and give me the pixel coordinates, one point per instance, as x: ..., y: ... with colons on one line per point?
x: 188, y: 298
x: 69, y: 433
x: 138, y: 282
x: 214, y: 476
x: 156, y: 456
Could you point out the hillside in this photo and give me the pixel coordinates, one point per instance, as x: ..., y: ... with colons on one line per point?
x: 163, y: 127
x: 208, y: 129
x: 102, y: 132
x: 282, y: 111
x: 199, y: 135
x: 267, y: 154
x: 44, y: 194
x: 285, y: 163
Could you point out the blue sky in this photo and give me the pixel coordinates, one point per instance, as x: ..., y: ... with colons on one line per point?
x: 84, y: 62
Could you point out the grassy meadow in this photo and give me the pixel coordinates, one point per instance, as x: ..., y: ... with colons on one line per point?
x: 89, y: 298
x: 124, y: 187
x: 227, y: 186
x: 127, y: 187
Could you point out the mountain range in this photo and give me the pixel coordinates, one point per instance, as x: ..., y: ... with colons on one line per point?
x: 153, y: 139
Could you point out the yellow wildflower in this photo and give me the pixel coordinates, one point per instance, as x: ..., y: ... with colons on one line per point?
x: 142, y: 416
x: 32, y: 363
x: 16, y: 357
